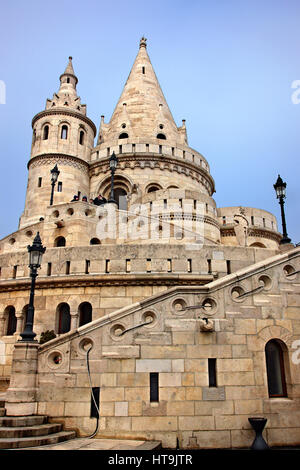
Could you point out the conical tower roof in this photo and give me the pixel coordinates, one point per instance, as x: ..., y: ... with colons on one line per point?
x: 142, y: 110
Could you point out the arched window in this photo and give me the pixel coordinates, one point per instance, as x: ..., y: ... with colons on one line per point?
x: 95, y: 241
x: 46, y: 133
x: 275, y: 369
x: 60, y: 241
x: 124, y: 135
x: 161, y: 136
x: 152, y: 188
x: 64, y: 318
x: 81, y: 137
x: 85, y: 313
x: 258, y: 245
x: 64, y: 132
x: 11, y: 320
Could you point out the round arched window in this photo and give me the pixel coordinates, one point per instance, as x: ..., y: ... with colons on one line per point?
x: 275, y: 369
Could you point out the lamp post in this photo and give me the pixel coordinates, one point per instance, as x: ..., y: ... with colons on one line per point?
x: 279, y: 187
x: 36, y: 251
x: 54, y: 175
x: 113, y: 162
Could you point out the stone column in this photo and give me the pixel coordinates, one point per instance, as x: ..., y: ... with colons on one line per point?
x: 74, y: 320
x: 19, y: 326
x: 20, y: 399
x: 2, y: 325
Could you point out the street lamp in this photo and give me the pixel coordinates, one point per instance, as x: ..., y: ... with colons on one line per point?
x: 113, y: 162
x: 54, y: 175
x: 279, y: 187
x: 36, y: 251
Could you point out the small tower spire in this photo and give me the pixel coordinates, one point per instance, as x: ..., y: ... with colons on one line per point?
x: 143, y: 42
x: 67, y: 93
x: 68, y: 78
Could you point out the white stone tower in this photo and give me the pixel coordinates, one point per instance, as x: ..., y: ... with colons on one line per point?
x: 62, y: 135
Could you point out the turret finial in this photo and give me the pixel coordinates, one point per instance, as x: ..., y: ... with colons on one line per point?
x: 143, y: 42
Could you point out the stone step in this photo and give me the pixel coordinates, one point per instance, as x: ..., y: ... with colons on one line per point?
x: 18, y: 421
x: 30, y: 431
x: 23, y: 442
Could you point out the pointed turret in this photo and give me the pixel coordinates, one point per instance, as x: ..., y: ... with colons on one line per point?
x: 142, y: 110
x: 67, y: 93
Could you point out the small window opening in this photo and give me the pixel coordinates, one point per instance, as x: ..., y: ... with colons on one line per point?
x: 49, y: 269
x: 46, y: 133
x: 64, y: 132
x: 68, y: 265
x: 128, y: 266
x: 107, y: 266
x: 154, y: 387
x: 15, y: 269
x: 59, y: 187
x: 40, y: 182
x: 212, y: 372
x: 161, y: 136
x: 169, y: 265
x: 81, y: 138
x: 124, y: 135
x: 87, y: 266
x: 143, y: 69
x: 189, y: 265
x: 209, y: 266
x: 228, y: 265
x: 148, y: 266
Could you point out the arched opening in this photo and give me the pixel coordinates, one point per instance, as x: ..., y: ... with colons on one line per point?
x: 10, y: 313
x: 153, y: 187
x: 60, y: 241
x: 121, y: 198
x: 63, y: 318
x: 258, y: 245
x: 81, y: 137
x: 85, y: 313
x: 64, y: 132
x: 275, y: 369
x: 46, y: 132
x: 95, y: 241
x: 124, y: 135
x: 161, y: 136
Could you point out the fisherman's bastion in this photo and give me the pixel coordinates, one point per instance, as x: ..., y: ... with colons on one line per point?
x: 157, y: 315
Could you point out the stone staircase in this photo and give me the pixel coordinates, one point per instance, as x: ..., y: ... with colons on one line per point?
x: 19, y: 432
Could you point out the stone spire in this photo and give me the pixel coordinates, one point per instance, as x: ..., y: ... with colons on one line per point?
x: 142, y: 110
x: 67, y: 93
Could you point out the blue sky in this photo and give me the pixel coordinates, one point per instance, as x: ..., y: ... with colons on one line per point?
x: 226, y: 66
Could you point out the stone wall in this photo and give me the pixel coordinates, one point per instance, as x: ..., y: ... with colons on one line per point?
x: 246, y: 309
